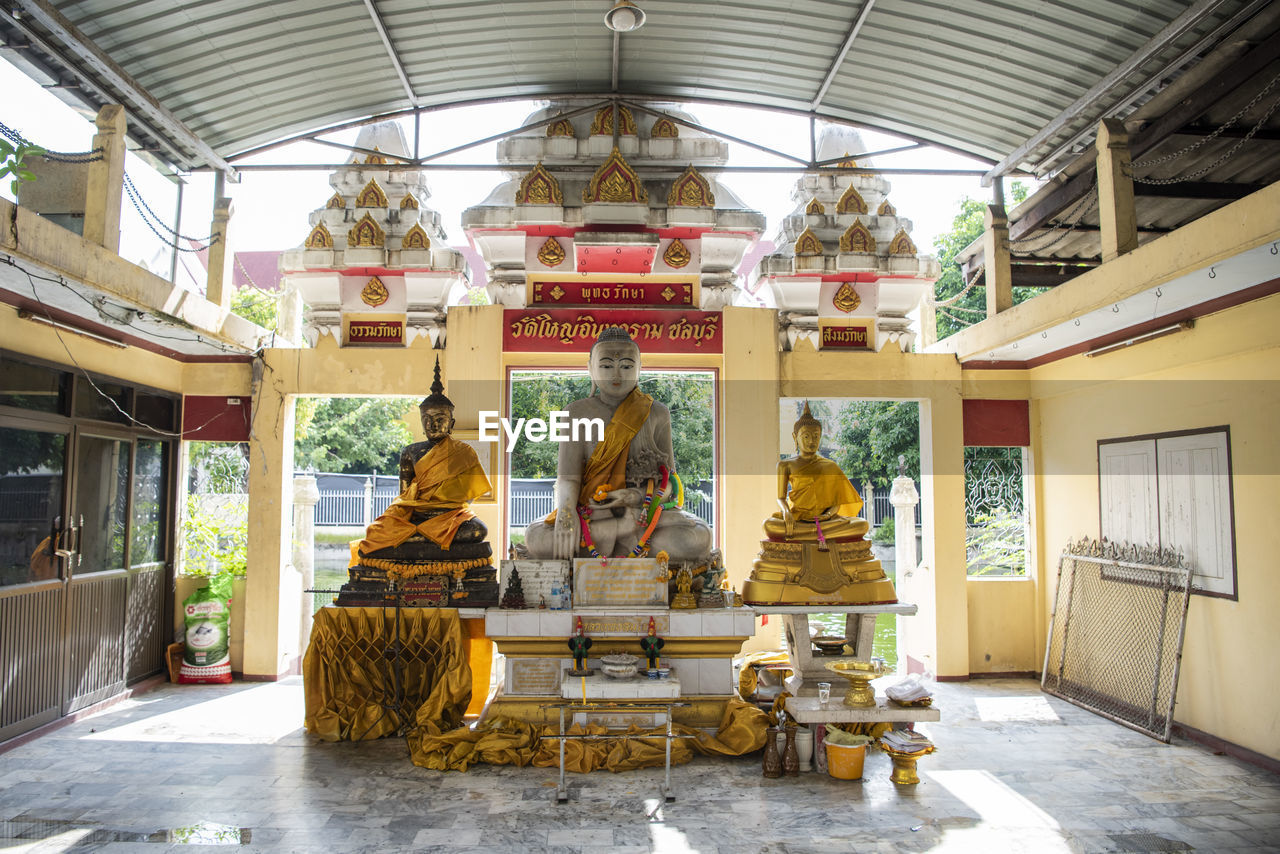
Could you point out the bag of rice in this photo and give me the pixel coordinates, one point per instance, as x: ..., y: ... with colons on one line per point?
x: 208, y: 622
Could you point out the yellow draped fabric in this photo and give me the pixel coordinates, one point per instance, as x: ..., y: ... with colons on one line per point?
x: 607, y: 465
x: 346, y: 679
x: 449, y: 476
x: 818, y: 485
x: 508, y: 742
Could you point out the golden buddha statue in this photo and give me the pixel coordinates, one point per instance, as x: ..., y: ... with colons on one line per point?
x: 814, y: 552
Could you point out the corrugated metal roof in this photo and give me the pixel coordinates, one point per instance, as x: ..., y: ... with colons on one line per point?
x: 978, y: 76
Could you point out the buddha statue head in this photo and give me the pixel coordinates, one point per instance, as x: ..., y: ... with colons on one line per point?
x: 807, y: 432
x: 614, y: 364
x: 436, y: 410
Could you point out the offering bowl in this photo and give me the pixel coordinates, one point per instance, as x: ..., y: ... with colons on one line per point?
x: 619, y: 665
x: 828, y: 645
x: 859, y: 674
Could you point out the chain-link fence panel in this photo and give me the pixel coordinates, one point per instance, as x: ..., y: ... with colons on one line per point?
x: 1115, y: 637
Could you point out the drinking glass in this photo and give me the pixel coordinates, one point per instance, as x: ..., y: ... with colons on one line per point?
x: 824, y: 692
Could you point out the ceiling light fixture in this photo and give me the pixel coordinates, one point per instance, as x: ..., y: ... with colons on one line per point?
x: 67, y: 327
x: 624, y: 17
x: 1146, y: 336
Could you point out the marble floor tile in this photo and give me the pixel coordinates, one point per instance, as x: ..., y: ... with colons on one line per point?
x: 1056, y: 779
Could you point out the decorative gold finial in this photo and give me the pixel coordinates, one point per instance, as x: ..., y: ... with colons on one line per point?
x: 366, y: 233
x: 901, y: 244
x: 551, y: 253
x: 603, y: 122
x: 851, y: 202
x: 677, y: 254
x: 846, y: 298
x: 664, y: 128
x: 806, y: 419
x: 371, y: 196
x: 809, y: 244
x: 374, y: 293
x: 615, y: 181
x: 857, y: 238
x: 560, y: 127
x: 539, y: 187
x: 415, y: 238
x: 691, y: 190
x: 319, y: 238
x: 376, y: 158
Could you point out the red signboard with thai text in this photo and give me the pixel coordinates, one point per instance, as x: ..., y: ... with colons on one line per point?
x: 537, y: 330
x: 375, y: 332
x: 845, y: 337
x: 556, y: 294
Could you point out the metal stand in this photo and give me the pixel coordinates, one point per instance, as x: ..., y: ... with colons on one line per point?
x: 562, y: 791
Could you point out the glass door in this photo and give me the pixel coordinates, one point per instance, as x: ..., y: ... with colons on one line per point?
x: 32, y: 593
x: 98, y: 586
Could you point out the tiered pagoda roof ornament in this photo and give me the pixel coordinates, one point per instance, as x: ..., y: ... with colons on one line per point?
x: 848, y: 269
x: 644, y: 207
x: 373, y: 229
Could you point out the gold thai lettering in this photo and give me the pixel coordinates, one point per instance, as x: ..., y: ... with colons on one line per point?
x: 683, y: 330
x: 856, y: 335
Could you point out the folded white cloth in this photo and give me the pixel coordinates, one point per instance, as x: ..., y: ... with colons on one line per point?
x: 908, y: 690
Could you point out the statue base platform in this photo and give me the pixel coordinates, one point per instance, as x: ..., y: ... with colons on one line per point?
x: 806, y: 574
x: 699, y: 645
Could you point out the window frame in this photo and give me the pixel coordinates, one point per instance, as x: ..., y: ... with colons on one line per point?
x: 1231, y: 573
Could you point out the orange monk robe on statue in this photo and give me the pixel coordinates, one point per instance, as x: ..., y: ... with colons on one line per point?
x: 448, y: 477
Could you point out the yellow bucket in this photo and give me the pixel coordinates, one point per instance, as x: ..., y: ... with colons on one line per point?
x: 844, y: 762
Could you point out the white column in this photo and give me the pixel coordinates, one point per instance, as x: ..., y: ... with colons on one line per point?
x: 904, y: 499
x: 305, y: 498
x: 368, y: 501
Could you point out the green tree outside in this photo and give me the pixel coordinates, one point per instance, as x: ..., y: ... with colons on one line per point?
x: 352, y: 435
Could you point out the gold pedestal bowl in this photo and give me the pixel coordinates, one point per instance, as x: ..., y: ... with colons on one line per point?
x: 859, y: 674
x: 904, y: 764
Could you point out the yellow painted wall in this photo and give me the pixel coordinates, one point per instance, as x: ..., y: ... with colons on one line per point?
x: 1224, y: 371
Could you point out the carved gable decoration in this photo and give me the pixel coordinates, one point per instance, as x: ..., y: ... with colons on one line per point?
x: 846, y: 298
x: 901, y: 244
x: 319, y: 238
x: 376, y: 158
x: 665, y: 129
x: 336, y: 202
x: 560, y: 127
x: 551, y: 253
x: 857, y: 239
x: 677, y: 254
x: 415, y: 238
x: 539, y: 187
x: 366, y: 233
x: 409, y: 203
x: 603, y: 122
x: 815, y: 207
x: 809, y: 244
x: 371, y: 196
x: 851, y: 202
x: 615, y: 181
x: 691, y: 190
x: 886, y: 209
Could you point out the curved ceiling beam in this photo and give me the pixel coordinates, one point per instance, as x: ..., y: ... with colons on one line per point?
x: 391, y: 51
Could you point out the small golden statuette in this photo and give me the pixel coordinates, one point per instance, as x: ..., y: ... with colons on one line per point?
x: 684, y: 597
x: 846, y: 298
x: 551, y: 253
x: 375, y: 293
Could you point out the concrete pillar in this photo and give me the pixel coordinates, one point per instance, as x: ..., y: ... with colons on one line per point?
x: 928, y: 323
x: 368, y: 502
x: 305, y: 498
x: 105, y: 186
x: 270, y: 633
x: 219, y: 290
x: 869, y: 503
x: 1117, y: 219
x: 995, y: 257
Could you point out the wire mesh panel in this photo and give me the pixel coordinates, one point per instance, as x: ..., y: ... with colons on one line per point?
x: 1115, y: 638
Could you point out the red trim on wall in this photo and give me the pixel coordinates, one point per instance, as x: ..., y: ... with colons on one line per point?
x: 215, y: 418
x: 998, y: 423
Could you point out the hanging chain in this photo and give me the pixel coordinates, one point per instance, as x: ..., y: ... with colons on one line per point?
x: 143, y: 210
x: 1155, y: 161
x: 1084, y: 206
x: 252, y: 283
x: 55, y: 156
x: 973, y: 280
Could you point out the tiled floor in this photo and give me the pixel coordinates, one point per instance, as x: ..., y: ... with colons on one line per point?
x: 1016, y: 771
